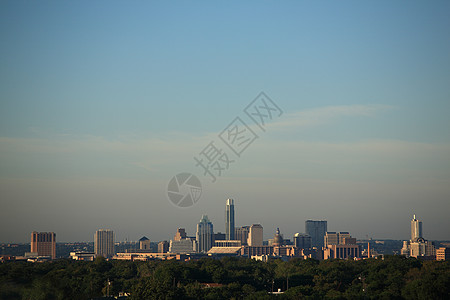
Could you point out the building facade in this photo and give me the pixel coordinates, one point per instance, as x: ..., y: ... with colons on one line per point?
x: 227, y: 243
x: 204, y: 235
x: 250, y: 251
x: 180, y: 234
x: 104, y: 243
x: 229, y: 223
x: 183, y: 246
x: 316, y: 230
x: 81, y: 255
x: 219, y: 236
x: 144, y: 243
x: 302, y: 241
x: 241, y: 233
x: 163, y: 247
x: 255, y: 236
x: 342, y: 252
x: 338, y: 238
x: 331, y: 238
x: 43, y: 243
x: 416, y: 229
x: 443, y: 253
x: 418, y: 248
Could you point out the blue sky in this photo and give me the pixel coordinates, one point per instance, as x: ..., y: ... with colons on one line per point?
x: 102, y: 102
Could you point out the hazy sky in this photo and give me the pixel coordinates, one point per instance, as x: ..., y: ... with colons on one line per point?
x: 102, y: 102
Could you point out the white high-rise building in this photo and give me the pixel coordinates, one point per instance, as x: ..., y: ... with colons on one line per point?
x: 229, y: 222
x: 104, y: 243
x: 255, y: 235
x: 417, y: 246
x: 416, y: 229
x: 204, y: 235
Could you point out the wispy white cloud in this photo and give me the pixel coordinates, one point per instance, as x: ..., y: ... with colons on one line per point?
x: 371, y: 159
x: 323, y: 115
x: 177, y: 149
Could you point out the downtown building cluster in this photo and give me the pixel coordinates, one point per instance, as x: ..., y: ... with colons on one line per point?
x: 316, y: 242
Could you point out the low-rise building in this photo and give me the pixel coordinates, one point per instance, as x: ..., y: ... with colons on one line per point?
x: 163, y: 247
x: 225, y: 251
x: 341, y: 252
x: 443, y: 253
x: 228, y: 243
x: 82, y: 255
x: 182, y: 246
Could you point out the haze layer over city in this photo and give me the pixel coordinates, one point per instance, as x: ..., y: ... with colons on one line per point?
x: 102, y: 103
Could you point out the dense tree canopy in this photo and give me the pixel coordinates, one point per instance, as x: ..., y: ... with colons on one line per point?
x: 395, y: 277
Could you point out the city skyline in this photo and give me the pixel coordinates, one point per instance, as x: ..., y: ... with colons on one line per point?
x: 313, y: 229
x: 102, y: 104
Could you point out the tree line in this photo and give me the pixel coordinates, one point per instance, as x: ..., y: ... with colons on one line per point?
x: 395, y: 277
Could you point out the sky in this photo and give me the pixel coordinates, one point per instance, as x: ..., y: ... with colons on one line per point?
x: 103, y: 102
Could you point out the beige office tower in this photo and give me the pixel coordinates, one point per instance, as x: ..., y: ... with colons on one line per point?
x: 416, y: 229
x: 338, y: 238
x: 255, y: 235
x: 331, y: 238
x: 104, y: 243
x: 180, y: 234
x: 43, y: 243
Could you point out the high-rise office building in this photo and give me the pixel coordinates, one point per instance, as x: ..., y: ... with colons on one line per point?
x: 340, y: 245
x: 416, y: 229
x: 344, y: 237
x: 316, y: 230
x: 255, y: 235
x: 43, y: 243
x: 180, y: 234
x: 331, y: 238
x: 417, y: 246
x: 104, y: 243
x: 338, y: 238
x: 204, y: 235
x: 241, y: 234
x: 302, y: 241
x: 229, y: 223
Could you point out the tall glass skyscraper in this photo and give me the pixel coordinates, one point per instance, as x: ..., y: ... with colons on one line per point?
x: 416, y: 229
x: 229, y: 223
x: 317, y: 230
x: 204, y: 235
